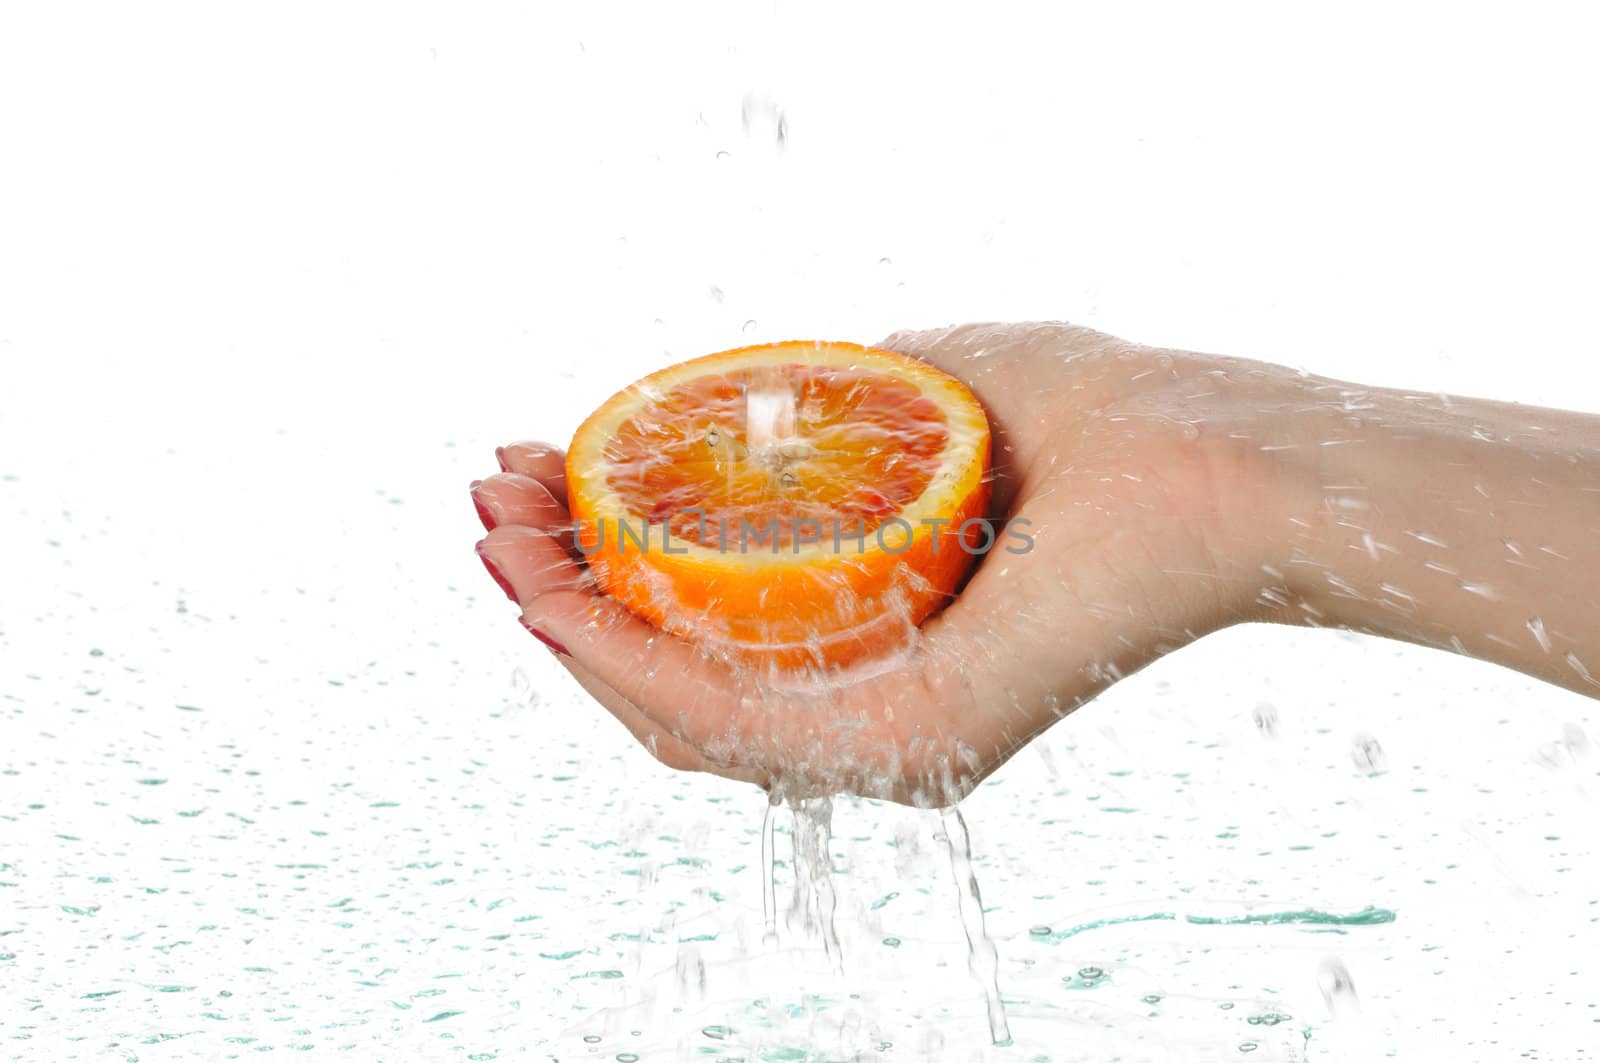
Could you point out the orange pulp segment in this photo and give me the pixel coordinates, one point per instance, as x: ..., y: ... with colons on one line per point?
x: 791, y: 504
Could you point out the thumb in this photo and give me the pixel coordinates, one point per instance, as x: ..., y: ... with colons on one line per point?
x: 914, y: 342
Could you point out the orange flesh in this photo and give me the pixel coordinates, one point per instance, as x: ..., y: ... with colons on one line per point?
x: 864, y: 446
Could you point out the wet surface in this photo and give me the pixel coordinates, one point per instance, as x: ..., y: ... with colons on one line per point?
x: 279, y: 771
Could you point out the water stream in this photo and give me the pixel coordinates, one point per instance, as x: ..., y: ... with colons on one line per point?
x: 769, y: 899
x: 982, y: 958
x: 814, y: 902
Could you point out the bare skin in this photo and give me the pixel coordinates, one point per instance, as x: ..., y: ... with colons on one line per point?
x: 1170, y: 494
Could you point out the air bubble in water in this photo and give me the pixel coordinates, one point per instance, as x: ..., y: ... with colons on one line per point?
x: 1367, y: 754
x: 763, y: 120
x: 1266, y: 718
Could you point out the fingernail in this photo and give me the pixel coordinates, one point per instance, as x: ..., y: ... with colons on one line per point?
x: 500, y: 456
x: 546, y: 639
x: 494, y: 571
x: 483, y: 511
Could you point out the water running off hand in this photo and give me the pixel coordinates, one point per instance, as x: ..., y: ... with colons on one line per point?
x: 982, y: 958
x: 814, y: 900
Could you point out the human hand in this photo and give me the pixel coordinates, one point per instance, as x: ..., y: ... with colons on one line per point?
x: 1140, y: 526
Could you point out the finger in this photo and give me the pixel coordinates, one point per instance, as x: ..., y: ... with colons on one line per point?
x: 673, y: 752
x: 665, y: 747
x: 521, y: 552
x: 542, y: 461
x: 912, y: 341
x: 950, y: 344
x: 527, y: 562
x: 512, y: 498
x: 672, y: 683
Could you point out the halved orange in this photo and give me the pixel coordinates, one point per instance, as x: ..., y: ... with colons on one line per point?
x: 794, y: 504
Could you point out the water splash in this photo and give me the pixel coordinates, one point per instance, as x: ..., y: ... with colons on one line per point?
x: 982, y: 958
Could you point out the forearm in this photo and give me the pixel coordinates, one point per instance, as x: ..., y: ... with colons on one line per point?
x: 1458, y: 523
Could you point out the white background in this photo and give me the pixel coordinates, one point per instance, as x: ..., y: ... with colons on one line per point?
x: 274, y: 282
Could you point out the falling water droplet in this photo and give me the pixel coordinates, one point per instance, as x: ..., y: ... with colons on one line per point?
x: 1266, y: 717
x: 1338, y: 989
x: 523, y: 689
x: 750, y: 326
x: 1574, y: 739
x: 715, y: 293
x: 1367, y: 754
x: 763, y: 120
x: 691, y: 972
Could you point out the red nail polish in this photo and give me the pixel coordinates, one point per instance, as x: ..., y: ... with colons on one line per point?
x: 505, y: 584
x: 483, y: 512
x: 546, y: 639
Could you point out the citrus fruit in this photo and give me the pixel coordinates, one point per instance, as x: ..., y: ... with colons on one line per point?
x: 794, y: 504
